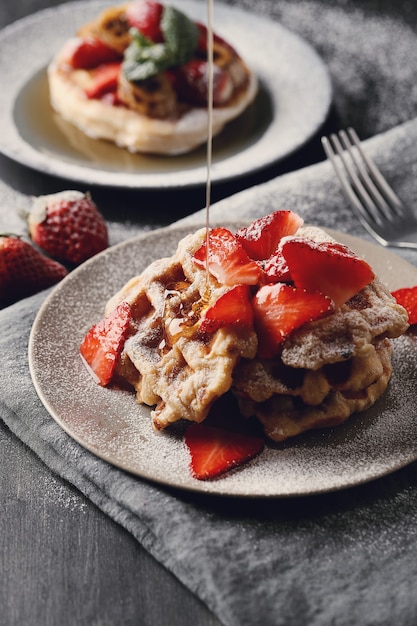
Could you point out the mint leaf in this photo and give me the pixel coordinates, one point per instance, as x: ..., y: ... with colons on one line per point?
x: 143, y: 58
x: 180, y: 34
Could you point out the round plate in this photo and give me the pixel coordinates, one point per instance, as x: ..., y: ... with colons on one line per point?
x: 113, y: 426
x: 292, y: 103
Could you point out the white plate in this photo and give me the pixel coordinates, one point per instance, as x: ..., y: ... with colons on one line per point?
x: 292, y: 104
x: 113, y: 426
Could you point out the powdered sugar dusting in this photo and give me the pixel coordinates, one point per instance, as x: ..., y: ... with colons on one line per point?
x: 113, y: 426
x: 367, y: 54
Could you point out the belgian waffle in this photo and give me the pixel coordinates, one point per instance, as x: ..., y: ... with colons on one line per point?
x: 172, y: 368
x: 327, y: 369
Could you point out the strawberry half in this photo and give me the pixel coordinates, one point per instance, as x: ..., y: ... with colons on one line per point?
x: 104, y: 79
x: 261, y: 238
x: 24, y: 270
x: 280, y: 309
x: 275, y: 268
x: 233, y: 308
x: 227, y: 259
x: 329, y: 267
x: 89, y: 52
x: 68, y: 226
x: 215, y: 450
x: 146, y: 15
x: 103, y: 344
x: 202, y: 43
x: 407, y: 297
x: 190, y: 81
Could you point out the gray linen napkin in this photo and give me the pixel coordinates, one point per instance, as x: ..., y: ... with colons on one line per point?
x: 344, y: 558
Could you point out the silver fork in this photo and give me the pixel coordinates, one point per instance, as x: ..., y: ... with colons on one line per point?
x: 375, y: 203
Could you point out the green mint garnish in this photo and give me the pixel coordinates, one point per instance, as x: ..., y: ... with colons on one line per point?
x: 180, y: 34
x: 144, y: 58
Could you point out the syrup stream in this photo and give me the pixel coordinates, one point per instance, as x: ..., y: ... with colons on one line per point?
x: 178, y: 326
x: 210, y: 63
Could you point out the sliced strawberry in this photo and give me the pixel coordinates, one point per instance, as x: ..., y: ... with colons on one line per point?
x: 275, y: 269
x: 145, y: 15
x: 202, y: 44
x: 104, y: 79
x: 202, y: 39
x: 233, y: 308
x: 407, y: 297
x: 261, y: 238
x: 103, y: 343
x: 328, y: 267
x: 89, y: 52
x: 280, y: 309
x: 215, y: 450
x: 191, y: 83
x: 227, y: 260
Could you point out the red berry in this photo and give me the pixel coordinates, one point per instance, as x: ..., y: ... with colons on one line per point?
x: 104, y: 80
x: 24, y: 270
x: 145, y: 15
x: 68, y: 226
x: 227, y: 260
x: 233, y: 308
x: 191, y: 83
x: 87, y: 53
x: 103, y: 343
x: 275, y: 269
x: 407, y: 297
x: 280, y: 309
x: 328, y: 267
x: 215, y: 450
x: 202, y: 44
x: 261, y: 238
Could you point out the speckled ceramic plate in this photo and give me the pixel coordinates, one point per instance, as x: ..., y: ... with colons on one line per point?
x: 292, y: 103
x: 113, y: 426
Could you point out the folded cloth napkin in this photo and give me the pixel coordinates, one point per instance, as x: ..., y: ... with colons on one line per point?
x: 344, y: 558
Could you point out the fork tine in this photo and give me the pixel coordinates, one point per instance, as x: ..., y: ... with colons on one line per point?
x: 389, y: 192
x: 377, y: 206
x: 366, y: 170
x: 366, y: 209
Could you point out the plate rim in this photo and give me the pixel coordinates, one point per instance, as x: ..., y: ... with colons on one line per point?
x: 228, y: 169
x: 201, y: 487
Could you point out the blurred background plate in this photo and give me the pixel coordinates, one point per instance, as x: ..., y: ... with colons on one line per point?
x: 293, y: 102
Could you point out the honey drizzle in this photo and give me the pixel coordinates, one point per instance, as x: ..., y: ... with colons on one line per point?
x: 210, y: 91
x: 188, y: 323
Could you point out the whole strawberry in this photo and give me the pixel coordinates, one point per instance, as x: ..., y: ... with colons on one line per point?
x: 24, y: 270
x: 68, y: 226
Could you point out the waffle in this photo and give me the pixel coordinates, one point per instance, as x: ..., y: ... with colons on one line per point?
x: 147, y: 116
x: 172, y: 368
x: 327, y: 369
x: 289, y: 401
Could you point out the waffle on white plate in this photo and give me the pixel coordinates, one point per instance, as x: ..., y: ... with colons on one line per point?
x: 138, y: 76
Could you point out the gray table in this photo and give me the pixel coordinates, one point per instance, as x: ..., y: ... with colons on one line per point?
x: 62, y: 560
